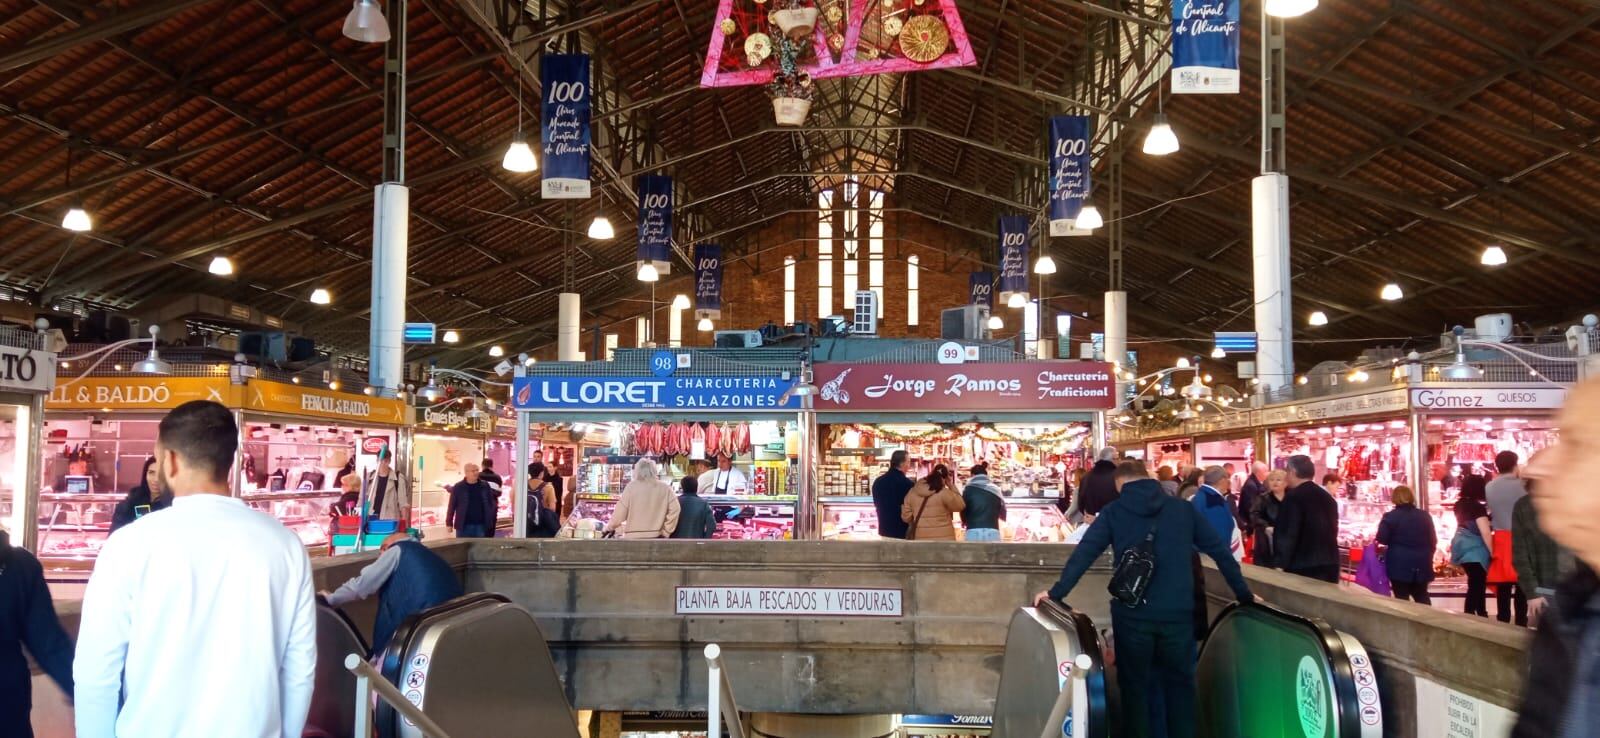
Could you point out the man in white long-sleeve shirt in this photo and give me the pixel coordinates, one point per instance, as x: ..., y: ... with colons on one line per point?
x: 202, y: 614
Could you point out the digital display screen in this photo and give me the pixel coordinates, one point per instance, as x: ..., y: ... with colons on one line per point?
x: 79, y: 485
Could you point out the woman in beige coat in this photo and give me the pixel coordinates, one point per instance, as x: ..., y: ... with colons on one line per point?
x: 648, y: 509
x: 931, y: 506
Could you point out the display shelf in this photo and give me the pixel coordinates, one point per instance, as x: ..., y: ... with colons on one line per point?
x: 1028, y: 519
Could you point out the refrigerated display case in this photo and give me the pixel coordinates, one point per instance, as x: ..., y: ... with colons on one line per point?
x: 1028, y: 519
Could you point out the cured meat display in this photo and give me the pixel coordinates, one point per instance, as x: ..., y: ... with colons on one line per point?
x: 680, y: 439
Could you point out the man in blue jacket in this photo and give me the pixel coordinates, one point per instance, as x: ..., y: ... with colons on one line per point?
x: 1155, y: 639
x: 1212, y: 502
x: 27, y: 618
x: 407, y: 577
x: 889, y: 493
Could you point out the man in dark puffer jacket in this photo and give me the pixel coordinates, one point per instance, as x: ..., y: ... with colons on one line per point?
x: 1099, y: 486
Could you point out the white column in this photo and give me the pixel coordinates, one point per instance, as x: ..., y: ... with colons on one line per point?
x: 642, y: 332
x: 1269, y: 205
x: 1116, y: 327
x: 1116, y: 341
x: 567, y: 330
x: 387, y: 353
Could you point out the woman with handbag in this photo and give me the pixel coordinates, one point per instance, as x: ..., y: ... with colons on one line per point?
x: 1469, y: 549
x: 931, y: 506
x: 648, y: 509
x: 1409, y: 539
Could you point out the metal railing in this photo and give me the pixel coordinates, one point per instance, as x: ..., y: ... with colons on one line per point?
x: 720, y: 707
x: 1073, y: 700
x: 369, y: 680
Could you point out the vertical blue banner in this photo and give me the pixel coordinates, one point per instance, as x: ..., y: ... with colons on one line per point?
x: 1013, y: 255
x: 708, y: 281
x: 980, y: 289
x: 1069, y: 171
x: 564, y: 125
x: 1205, y: 47
x: 655, y: 221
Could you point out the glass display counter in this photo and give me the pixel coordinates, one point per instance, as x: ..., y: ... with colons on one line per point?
x: 73, y: 527
x: 309, y: 514
x: 766, y: 512
x: 1028, y: 519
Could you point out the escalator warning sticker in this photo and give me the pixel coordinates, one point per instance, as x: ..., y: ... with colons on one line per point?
x: 419, y: 661
x: 1065, y: 669
x: 416, y: 679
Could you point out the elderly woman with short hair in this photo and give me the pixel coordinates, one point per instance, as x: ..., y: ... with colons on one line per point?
x: 648, y: 509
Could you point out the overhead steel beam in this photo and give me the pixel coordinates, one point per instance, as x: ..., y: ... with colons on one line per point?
x: 1569, y: 251
x: 116, y: 22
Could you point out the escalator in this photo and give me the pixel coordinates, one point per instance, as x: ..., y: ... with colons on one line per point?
x: 333, y: 699
x: 1265, y: 672
x: 479, y: 666
x: 1262, y: 672
x: 1042, y: 647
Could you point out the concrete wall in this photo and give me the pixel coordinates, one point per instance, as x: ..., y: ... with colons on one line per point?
x: 608, y: 609
x: 1418, y: 651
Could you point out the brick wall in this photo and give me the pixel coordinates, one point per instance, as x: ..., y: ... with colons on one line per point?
x: 753, y: 287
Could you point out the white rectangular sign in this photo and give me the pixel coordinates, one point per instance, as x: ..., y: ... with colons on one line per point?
x: 805, y: 602
x: 1488, y: 398
x: 1338, y: 407
x: 27, y: 371
x: 1446, y: 713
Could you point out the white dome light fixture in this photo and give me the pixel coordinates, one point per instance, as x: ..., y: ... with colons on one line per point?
x: 221, y: 266
x: 680, y: 302
x: 77, y: 219
x: 1045, y: 265
x: 1290, y: 8
x: 1017, y: 300
x: 365, y: 23
x: 153, y: 363
x: 648, y: 273
x: 1493, y: 256
x: 496, y: 351
x: 321, y: 296
x: 1088, y: 218
x: 995, y: 323
x: 519, y: 157
x: 1161, y: 140
x: 452, y: 337
x: 600, y: 229
x: 1392, y: 292
x: 704, y: 325
x: 1318, y: 318
x: 1218, y: 353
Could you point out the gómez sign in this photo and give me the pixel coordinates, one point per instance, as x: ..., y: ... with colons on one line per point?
x: 674, y: 392
x: 1026, y: 385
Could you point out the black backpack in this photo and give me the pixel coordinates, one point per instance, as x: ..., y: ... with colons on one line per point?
x: 1130, y: 580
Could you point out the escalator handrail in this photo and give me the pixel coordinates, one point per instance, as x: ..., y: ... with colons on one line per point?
x: 1082, y: 626
x: 349, y: 623
x: 392, y: 664
x: 1344, y: 679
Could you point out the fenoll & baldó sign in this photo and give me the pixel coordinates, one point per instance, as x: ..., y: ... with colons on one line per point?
x: 1023, y: 385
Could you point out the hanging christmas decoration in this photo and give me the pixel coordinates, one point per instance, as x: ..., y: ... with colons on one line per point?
x: 834, y: 39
